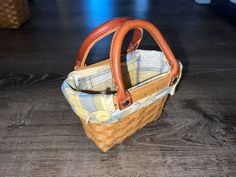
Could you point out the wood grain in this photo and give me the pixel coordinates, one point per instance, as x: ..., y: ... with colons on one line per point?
x: 195, y: 136
x: 41, y: 136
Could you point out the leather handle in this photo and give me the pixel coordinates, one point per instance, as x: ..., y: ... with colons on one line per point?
x: 102, y: 31
x: 123, y: 97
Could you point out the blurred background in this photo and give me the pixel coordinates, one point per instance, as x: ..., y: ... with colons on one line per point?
x: 49, y: 41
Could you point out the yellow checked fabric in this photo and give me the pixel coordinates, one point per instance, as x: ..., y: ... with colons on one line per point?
x: 90, y: 91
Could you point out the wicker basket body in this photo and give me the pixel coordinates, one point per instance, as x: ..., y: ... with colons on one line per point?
x: 13, y: 13
x: 107, y: 135
x: 115, y: 99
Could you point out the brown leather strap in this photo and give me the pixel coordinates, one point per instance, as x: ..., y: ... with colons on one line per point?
x: 123, y: 97
x: 103, y: 31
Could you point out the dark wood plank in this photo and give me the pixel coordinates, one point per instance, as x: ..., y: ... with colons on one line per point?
x: 195, y: 136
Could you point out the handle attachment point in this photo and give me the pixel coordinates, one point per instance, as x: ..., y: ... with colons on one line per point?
x: 115, y: 54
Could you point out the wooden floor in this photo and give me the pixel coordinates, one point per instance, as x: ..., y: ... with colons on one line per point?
x: 40, y: 136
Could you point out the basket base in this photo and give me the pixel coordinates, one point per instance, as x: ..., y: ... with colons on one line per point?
x: 106, y: 136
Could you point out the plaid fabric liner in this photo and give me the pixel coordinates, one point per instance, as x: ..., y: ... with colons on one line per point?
x: 90, y: 91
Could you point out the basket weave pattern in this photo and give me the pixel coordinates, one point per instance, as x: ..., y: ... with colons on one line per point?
x: 110, y: 110
x: 13, y: 13
x: 107, y: 135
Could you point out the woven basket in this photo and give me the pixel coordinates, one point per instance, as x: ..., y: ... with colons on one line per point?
x: 107, y: 135
x: 114, y: 100
x: 13, y: 13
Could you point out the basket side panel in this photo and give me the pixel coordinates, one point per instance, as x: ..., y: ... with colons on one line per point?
x: 107, y: 135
